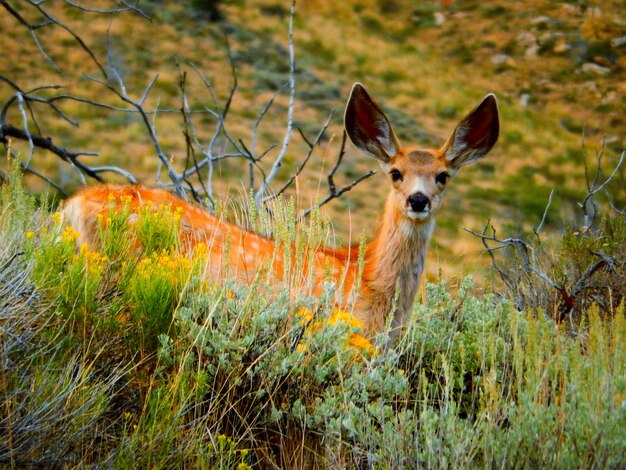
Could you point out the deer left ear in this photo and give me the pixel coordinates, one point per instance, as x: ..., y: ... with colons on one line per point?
x: 368, y: 127
x: 475, y: 135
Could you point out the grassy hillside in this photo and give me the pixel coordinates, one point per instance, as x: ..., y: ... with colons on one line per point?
x: 428, y: 64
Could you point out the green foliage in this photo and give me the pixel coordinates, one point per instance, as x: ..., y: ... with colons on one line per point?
x: 143, y: 364
x: 136, y: 276
x: 54, y: 401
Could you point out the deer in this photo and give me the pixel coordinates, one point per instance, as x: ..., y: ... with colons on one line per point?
x: 384, y: 282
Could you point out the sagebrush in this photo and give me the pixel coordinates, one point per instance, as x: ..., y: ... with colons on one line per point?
x: 126, y: 358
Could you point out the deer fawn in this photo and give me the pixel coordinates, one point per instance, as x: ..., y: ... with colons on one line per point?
x: 394, y: 259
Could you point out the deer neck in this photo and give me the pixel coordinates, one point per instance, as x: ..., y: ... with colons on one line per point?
x: 396, y: 259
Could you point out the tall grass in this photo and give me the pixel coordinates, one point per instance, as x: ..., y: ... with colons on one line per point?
x: 56, y: 393
x: 125, y: 357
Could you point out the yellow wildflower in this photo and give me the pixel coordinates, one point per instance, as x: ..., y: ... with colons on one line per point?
x: 69, y: 234
x: 201, y: 250
x: 178, y: 214
x: 56, y: 218
x: 306, y: 315
x: 360, y: 342
x: 30, y: 235
x: 339, y: 315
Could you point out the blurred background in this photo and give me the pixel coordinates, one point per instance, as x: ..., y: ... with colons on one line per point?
x: 558, y: 69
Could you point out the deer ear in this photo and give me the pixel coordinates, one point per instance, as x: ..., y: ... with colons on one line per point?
x: 475, y: 135
x: 368, y: 127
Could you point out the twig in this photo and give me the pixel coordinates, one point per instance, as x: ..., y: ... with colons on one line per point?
x: 537, y: 230
x: 209, y: 150
x: 31, y: 146
x: 41, y: 176
x: 32, y: 28
x: 76, y: 37
x: 505, y: 278
x: 255, y: 129
x: 188, y: 131
x: 588, y: 204
x: 258, y: 197
x: 312, y: 146
x: 114, y: 169
x: 259, y: 119
x: 127, y: 7
x: 333, y: 192
x: 529, y: 264
x: 138, y: 105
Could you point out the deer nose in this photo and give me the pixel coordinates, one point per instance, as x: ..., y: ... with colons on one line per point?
x: 418, y: 202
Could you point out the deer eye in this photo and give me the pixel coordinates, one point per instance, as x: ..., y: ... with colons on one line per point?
x: 442, y: 178
x: 395, y: 175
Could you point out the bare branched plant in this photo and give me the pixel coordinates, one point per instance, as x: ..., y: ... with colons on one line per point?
x: 589, y: 266
x: 20, y: 118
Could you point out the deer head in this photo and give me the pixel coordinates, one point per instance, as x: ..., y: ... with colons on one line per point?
x: 419, y: 176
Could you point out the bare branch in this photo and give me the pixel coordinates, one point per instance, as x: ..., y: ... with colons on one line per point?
x: 138, y: 105
x: 188, y: 131
x: 32, y: 28
x: 39, y: 175
x: 16, y: 14
x: 526, y: 252
x: 218, y: 148
x: 617, y: 209
x: 31, y: 146
x: 7, y: 130
x: 255, y: 129
x: 127, y: 7
x: 76, y: 37
x: 260, y: 117
x: 333, y: 192
x: 588, y: 204
x: 142, y: 100
x: 258, y: 197
x: 113, y: 169
x: 233, y: 72
x: 590, y: 271
x: 331, y: 174
x: 336, y: 194
x: 304, y: 162
x: 207, y: 84
x: 136, y: 9
x: 505, y: 278
x: 537, y: 230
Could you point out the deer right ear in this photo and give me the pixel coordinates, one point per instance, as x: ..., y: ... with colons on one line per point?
x: 475, y: 135
x: 368, y: 127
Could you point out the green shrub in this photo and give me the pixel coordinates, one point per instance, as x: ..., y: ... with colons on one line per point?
x: 55, y: 401
x: 124, y: 357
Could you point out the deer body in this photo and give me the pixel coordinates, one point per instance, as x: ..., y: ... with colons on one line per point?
x: 394, y: 259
